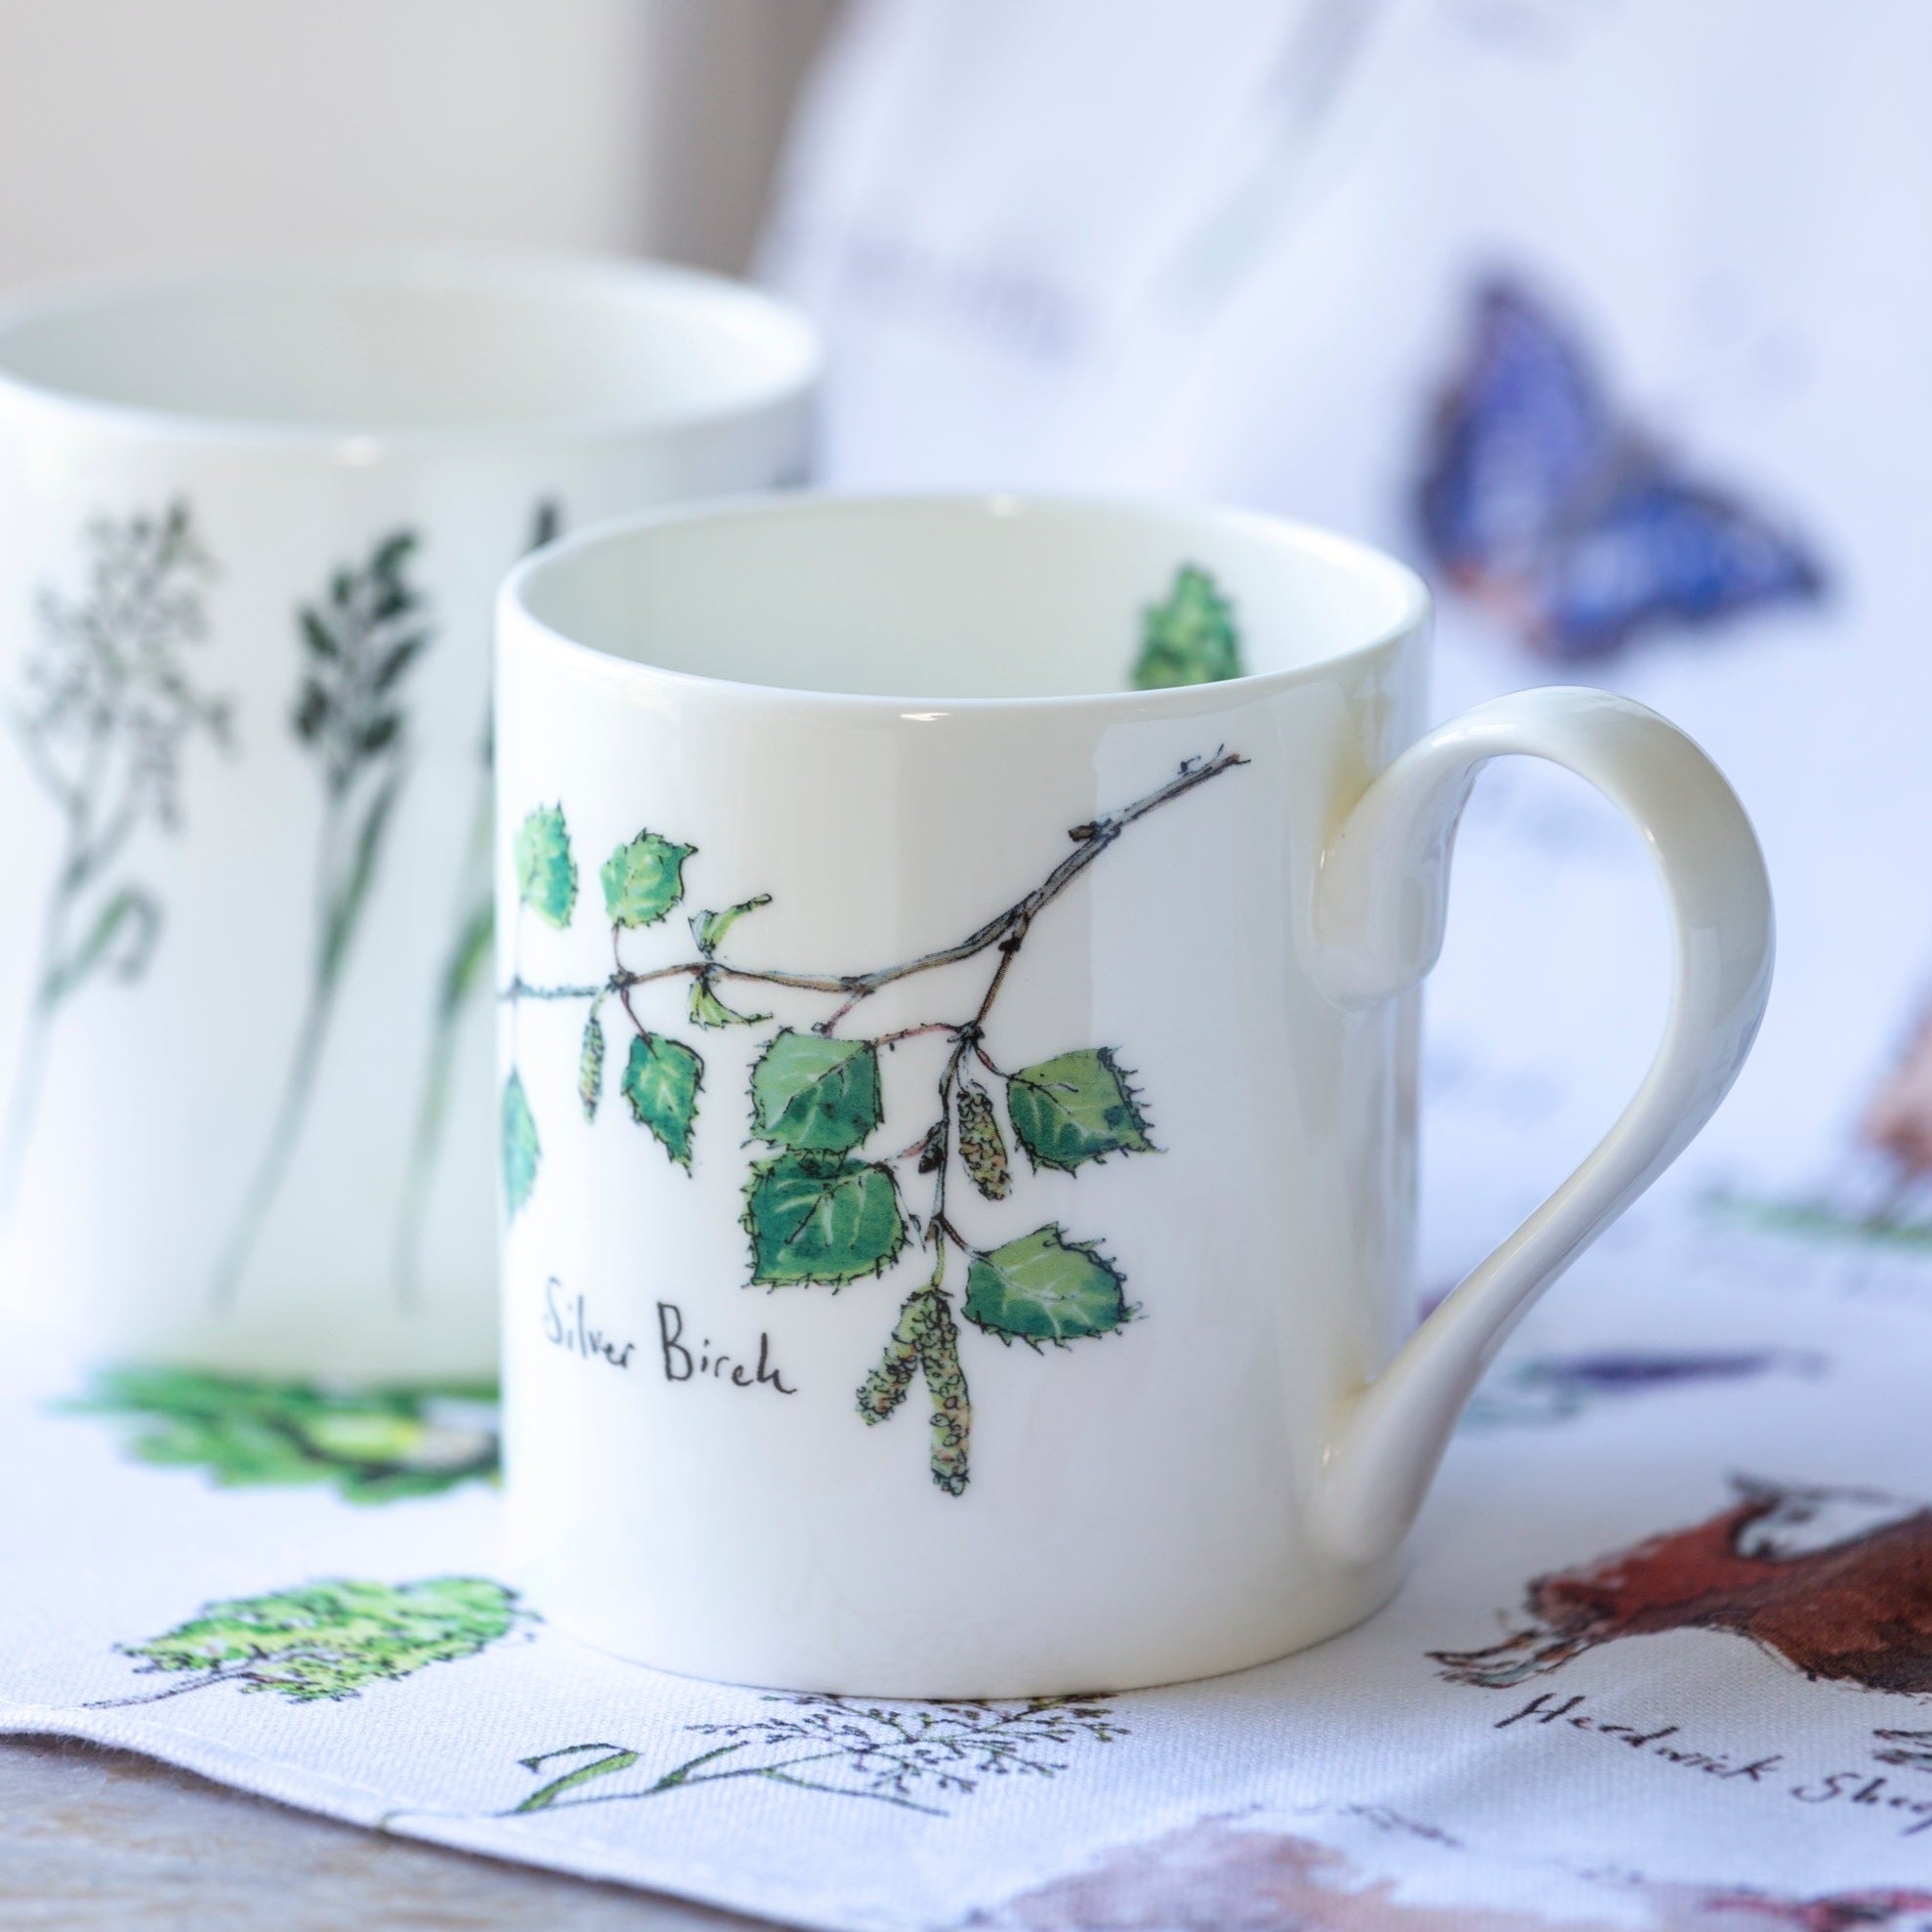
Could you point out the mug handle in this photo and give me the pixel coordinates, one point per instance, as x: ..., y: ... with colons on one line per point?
x: 1381, y: 899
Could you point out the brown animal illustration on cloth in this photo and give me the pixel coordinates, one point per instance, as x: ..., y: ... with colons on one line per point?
x: 1837, y: 1582
x: 1898, y: 1119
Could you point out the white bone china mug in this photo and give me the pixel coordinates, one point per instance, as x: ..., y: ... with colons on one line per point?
x: 957, y: 1109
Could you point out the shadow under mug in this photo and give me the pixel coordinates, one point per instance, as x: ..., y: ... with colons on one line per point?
x: 959, y: 1111
x: 252, y: 514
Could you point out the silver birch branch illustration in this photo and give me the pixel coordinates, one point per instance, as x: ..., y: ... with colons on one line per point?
x: 815, y: 1211
x: 108, y: 711
x: 463, y: 974
x: 358, y: 643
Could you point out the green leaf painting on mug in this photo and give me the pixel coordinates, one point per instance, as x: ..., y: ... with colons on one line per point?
x: 522, y: 1151
x: 106, y: 712
x: 819, y: 1211
x: 546, y: 873
x: 820, y: 1219
x: 712, y: 929
x: 708, y: 1009
x: 644, y: 879
x: 356, y: 646
x: 1191, y: 638
x: 1044, y: 1289
x: 1075, y: 1107
x: 661, y: 1081
x: 818, y: 1095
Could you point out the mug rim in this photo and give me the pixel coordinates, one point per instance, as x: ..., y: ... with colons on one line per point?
x: 598, y: 275
x: 1290, y: 533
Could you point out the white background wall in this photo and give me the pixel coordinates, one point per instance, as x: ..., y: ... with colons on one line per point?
x: 131, y: 128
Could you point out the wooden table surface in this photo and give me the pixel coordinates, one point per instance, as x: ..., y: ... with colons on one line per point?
x: 95, y: 1840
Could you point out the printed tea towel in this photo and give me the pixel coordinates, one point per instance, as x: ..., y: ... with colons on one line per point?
x: 1608, y: 315
x: 1664, y: 1659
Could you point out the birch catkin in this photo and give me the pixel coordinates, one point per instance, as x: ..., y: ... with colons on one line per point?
x: 883, y: 1389
x: 982, y: 1146
x: 946, y: 1384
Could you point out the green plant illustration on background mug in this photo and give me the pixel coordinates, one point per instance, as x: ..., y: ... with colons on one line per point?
x: 252, y: 514
x: 841, y: 816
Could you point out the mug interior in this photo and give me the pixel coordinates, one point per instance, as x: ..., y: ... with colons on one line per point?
x: 407, y: 340
x: 951, y: 599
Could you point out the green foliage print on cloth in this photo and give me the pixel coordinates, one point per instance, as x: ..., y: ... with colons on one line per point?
x: 917, y: 1757
x: 359, y: 641
x: 325, y: 1641
x: 462, y: 975
x: 824, y: 1205
x: 373, y: 1445
x: 1190, y: 639
x: 107, y: 713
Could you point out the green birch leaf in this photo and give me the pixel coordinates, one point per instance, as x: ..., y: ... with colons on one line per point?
x: 708, y: 929
x: 644, y: 879
x: 546, y: 873
x: 590, y: 1065
x: 816, y: 1095
x: 661, y: 1080
x: 1190, y: 639
x: 1044, y: 1289
x: 520, y: 1151
x: 708, y: 1010
x: 1075, y: 1107
x: 819, y: 1219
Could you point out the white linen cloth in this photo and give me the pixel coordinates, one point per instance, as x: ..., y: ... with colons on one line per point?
x: 1353, y: 1785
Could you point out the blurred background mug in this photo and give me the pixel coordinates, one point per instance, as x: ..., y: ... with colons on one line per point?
x: 251, y: 517
x: 958, y: 1110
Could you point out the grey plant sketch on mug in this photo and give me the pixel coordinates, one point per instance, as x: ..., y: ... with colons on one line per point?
x: 359, y: 641
x: 462, y: 974
x: 104, y: 721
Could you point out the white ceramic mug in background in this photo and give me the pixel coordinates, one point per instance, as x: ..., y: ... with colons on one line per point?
x: 252, y: 515
x: 958, y: 1113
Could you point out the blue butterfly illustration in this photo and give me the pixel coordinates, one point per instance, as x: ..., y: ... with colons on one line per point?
x: 1581, y: 532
